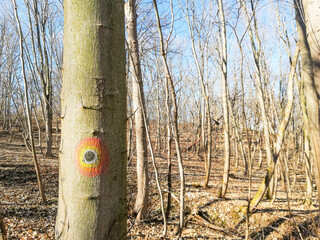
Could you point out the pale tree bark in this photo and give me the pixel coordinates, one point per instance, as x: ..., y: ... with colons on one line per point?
x: 257, y: 54
x: 159, y: 143
x: 308, y: 169
x: 148, y: 137
x: 92, y: 171
x: 283, y: 33
x: 279, y: 138
x: 141, y: 204
x: 239, y: 139
x: 38, y: 126
x: 175, y: 130
x: 156, y: 174
x: 199, y: 61
x: 169, y: 149
x: 244, y: 115
x: 308, y: 17
x: 41, y: 63
x: 224, y: 84
x: 130, y: 137
x: 28, y: 113
x: 306, y: 138
x: 47, y: 85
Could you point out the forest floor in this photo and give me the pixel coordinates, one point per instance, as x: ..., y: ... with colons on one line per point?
x: 207, y: 217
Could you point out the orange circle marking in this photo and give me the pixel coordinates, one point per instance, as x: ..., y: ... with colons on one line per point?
x: 91, y: 157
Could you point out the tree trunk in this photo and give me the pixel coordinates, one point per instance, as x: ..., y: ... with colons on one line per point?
x: 48, y: 124
x: 257, y: 54
x: 169, y: 150
x: 306, y: 148
x: 206, y: 112
x: 307, y: 17
x: 224, y: 83
x: 48, y: 96
x: 39, y: 129
x: 308, y: 196
x: 92, y: 171
x: 244, y: 116
x: 141, y: 204
x: 39, y: 47
x: 280, y: 136
x: 29, y: 118
x: 175, y: 130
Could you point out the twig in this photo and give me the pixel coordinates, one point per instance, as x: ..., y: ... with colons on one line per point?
x: 174, y: 197
x: 201, y: 219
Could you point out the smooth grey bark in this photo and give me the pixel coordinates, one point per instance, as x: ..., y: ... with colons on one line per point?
x: 279, y: 137
x: 28, y: 113
x: 308, y: 169
x: 38, y: 28
x: 244, y: 115
x: 174, y: 121
x: 169, y: 149
x: 141, y: 204
x: 92, y: 170
x: 307, y: 18
x: 206, y: 112
x: 306, y: 139
x: 224, y: 83
x: 256, y: 47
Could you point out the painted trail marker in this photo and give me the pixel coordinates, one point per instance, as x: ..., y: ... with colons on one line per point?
x: 91, y: 157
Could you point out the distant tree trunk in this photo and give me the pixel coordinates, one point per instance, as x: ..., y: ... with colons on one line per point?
x: 7, y: 108
x: 28, y: 113
x: 156, y: 175
x: 92, y: 171
x: 206, y: 112
x: 39, y: 128
x: 39, y: 47
x: 174, y: 117
x: 306, y: 140
x: 280, y: 136
x: 57, y: 130
x: 48, y: 123
x: 308, y: 169
x: 169, y: 149
x: 308, y: 18
x: 141, y: 204
x: 224, y: 83
x: 48, y: 98
x: 257, y: 54
x: 244, y: 116
x: 239, y: 140
x: 159, y: 144
x: 130, y: 137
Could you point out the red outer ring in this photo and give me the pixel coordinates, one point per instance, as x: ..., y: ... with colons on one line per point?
x: 103, y: 157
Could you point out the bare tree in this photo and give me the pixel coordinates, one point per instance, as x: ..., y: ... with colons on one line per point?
x: 309, y: 37
x: 92, y: 171
x: 224, y: 84
x: 38, y: 21
x: 256, y: 47
x: 28, y: 114
x: 141, y: 204
x: 174, y: 116
x: 198, y: 31
x: 280, y: 136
